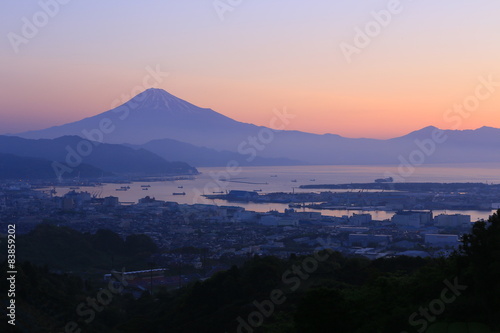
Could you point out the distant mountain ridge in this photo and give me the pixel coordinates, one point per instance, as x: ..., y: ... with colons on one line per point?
x: 157, y: 115
x: 32, y: 168
x: 207, y: 157
x: 112, y: 158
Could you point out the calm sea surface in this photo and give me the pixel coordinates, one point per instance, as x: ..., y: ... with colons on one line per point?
x: 288, y: 179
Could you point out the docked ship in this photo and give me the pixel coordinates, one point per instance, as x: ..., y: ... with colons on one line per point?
x: 384, y: 180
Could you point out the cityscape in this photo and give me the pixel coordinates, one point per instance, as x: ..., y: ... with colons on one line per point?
x: 249, y: 166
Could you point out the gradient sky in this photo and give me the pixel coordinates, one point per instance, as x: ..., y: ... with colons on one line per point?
x: 265, y: 54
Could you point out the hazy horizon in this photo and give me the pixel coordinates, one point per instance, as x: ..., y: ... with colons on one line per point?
x: 415, y: 65
x: 75, y: 120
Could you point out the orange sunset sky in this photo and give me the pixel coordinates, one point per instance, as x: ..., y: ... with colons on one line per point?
x: 245, y: 60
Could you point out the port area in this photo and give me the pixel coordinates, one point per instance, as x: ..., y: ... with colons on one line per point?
x: 379, y: 196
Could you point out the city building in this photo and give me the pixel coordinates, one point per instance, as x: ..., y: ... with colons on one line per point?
x: 441, y: 240
x: 454, y: 221
x: 360, y: 219
x: 412, y: 218
x: 367, y: 240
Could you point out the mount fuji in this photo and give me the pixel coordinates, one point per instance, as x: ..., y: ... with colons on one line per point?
x: 151, y: 115
x: 155, y: 115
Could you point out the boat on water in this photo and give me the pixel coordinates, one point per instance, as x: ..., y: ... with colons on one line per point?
x: 274, y: 175
x: 180, y: 186
x: 312, y: 180
x: 384, y: 180
x: 295, y: 205
x: 179, y: 193
x: 259, y: 190
x: 145, y: 185
x: 145, y: 188
x: 294, y: 180
x: 123, y: 188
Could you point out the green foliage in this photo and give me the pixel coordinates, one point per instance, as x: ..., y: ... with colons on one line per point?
x: 140, y: 244
x: 66, y: 249
x: 479, y: 263
x: 459, y: 327
x: 324, y: 311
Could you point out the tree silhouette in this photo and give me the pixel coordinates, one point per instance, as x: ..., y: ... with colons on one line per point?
x: 481, y: 265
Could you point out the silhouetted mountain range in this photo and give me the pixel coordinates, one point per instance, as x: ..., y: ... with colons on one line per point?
x: 31, y: 168
x: 69, y: 151
x: 207, y: 157
x: 157, y: 115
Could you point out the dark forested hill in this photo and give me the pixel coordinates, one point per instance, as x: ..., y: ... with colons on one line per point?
x: 31, y: 168
x: 72, y: 151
